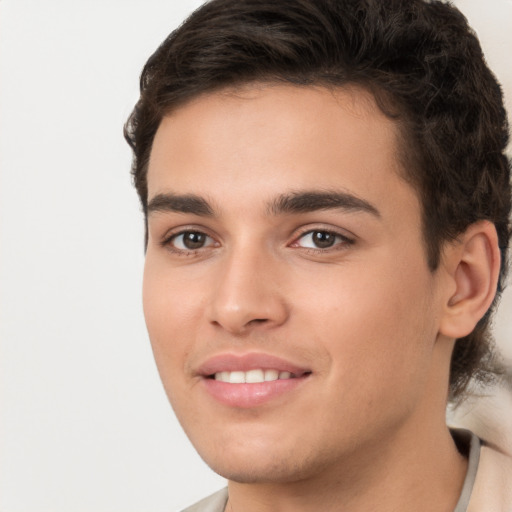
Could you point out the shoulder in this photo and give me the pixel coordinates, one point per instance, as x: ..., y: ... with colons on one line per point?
x: 492, y: 491
x: 214, y: 503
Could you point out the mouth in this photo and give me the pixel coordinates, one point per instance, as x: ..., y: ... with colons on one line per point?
x: 250, y: 380
x: 254, y: 376
x: 250, y: 368
x: 244, y: 381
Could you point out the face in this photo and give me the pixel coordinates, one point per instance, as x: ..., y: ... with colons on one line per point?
x: 288, y: 300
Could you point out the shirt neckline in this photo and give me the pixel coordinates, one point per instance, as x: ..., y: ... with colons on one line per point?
x: 469, y: 445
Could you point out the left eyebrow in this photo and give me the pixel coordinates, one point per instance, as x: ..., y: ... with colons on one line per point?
x: 313, y: 200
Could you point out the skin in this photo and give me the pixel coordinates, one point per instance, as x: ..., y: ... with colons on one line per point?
x: 365, y: 316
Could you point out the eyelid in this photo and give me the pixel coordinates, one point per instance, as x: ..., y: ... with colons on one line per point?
x: 307, y: 230
x: 173, y: 233
x: 176, y: 237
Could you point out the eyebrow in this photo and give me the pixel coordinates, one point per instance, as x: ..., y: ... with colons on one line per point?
x: 188, y: 203
x: 310, y: 201
x: 293, y: 202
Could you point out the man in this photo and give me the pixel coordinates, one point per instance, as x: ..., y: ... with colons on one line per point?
x: 327, y: 204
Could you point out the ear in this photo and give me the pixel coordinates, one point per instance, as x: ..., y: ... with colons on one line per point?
x: 472, y: 264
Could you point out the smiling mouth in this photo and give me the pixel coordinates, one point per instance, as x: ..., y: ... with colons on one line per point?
x: 251, y: 379
x: 254, y: 376
x: 246, y: 381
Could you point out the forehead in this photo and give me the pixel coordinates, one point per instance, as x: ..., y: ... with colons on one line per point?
x: 264, y: 139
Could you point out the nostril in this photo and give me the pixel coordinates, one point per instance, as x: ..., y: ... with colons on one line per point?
x: 258, y: 321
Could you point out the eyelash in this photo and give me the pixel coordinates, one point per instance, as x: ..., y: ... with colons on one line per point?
x: 167, y: 242
x: 343, y: 241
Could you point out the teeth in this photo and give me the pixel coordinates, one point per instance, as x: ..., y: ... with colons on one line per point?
x: 271, y: 375
x: 236, y: 377
x: 252, y: 376
x: 222, y: 376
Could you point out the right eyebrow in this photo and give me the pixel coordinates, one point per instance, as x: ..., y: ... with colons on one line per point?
x: 189, y: 203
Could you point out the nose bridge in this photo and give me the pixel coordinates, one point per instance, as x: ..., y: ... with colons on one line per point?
x: 247, y: 293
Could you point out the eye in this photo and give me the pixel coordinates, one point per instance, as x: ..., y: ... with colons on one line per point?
x: 190, y: 241
x: 321, y: 239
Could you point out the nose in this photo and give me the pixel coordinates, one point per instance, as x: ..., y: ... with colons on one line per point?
x: 247, y: 294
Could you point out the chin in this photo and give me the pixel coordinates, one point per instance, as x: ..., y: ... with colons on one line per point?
x: 261, y: 474
x: 263, y: 467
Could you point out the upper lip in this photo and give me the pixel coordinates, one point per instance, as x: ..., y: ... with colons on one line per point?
x: 230, y: 362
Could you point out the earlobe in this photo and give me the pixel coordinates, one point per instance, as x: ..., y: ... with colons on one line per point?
x: 473, y: 264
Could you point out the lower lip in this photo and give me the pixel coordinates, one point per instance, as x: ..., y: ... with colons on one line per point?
x: 250, y: 395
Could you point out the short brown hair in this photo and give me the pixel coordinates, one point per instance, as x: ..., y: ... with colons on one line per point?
x: 421, y: 61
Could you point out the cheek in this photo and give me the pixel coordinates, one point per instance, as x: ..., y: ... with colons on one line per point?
x: 166, y: 309
x: 168, y: 300
x: 374, y: 324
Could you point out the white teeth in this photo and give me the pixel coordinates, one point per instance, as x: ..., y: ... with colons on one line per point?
x: 271, y: 375
x: 251, y: 376
x: 237, y: 377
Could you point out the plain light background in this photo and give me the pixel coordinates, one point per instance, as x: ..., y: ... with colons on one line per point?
x: 84, y: 422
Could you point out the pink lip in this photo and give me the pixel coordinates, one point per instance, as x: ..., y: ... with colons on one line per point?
x: 249, y: 395
x: 245, y: 362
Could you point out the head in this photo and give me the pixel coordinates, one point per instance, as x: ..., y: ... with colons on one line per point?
x: 420, y: 62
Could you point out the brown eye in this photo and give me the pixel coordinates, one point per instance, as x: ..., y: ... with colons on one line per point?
x: 191, y: 240
x: 323, y: 239
x: 320, y: 239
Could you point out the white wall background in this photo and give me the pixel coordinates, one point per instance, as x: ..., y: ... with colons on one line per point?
x: 84, y: 422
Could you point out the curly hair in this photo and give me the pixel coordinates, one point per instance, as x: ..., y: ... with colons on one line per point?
x: 423, y: 64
